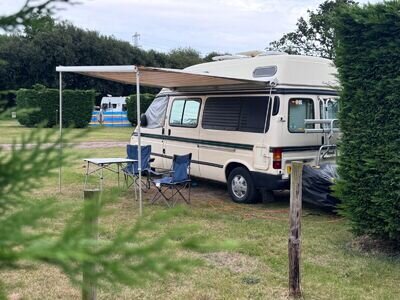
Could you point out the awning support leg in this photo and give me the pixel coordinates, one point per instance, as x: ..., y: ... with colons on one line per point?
x: 139, y: 141
x: 60, y: 124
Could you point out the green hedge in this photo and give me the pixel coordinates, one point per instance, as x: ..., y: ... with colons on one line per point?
x: 368, y: 59
x: 145, y: 101
x: 40, y: 106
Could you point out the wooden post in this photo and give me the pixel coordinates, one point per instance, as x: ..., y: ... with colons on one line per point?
x: 91, y: 223
x: 295, y: 229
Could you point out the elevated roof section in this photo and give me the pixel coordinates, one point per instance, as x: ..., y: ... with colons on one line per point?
x: 291, y: 70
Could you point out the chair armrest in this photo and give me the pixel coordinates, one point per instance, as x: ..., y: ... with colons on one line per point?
x: 161, y: 172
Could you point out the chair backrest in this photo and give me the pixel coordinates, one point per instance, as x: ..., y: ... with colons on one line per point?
x: 132, y: 152
x: 181, y: 167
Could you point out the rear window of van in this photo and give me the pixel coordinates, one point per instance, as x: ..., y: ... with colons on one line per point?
x: 299, y: 110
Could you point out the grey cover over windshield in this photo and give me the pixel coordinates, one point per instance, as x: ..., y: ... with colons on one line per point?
x: 155, y: 114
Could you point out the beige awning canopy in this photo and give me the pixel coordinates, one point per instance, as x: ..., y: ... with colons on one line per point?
x: 157, y: 77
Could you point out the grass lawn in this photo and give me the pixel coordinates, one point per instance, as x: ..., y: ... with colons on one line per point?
x: 257, y: 269
x: 11, y: 129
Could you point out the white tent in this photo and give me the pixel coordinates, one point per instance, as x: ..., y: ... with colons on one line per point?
x: 154, y: 77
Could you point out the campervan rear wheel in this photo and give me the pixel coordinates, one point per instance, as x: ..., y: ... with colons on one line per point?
x: 241, y: 186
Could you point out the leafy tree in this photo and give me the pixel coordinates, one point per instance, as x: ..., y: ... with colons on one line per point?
x: 32, y: 57
x: 183, y: 57
x: 209, y: 56
x: 39, y: 24
x: 315, y: 36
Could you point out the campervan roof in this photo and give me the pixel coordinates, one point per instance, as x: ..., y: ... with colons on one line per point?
x: 283, y: 69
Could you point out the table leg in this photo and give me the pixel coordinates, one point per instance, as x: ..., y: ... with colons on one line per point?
x: 101, y: 178
x: 87, y: 175
x: 118, y: 173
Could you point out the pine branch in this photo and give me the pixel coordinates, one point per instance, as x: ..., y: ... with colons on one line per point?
x: 30, y: 9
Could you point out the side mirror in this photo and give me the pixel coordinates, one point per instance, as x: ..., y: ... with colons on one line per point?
x: 143, y: 120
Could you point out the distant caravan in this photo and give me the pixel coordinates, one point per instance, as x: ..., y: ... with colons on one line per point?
x: 248, y: 135
x: 111, y: 113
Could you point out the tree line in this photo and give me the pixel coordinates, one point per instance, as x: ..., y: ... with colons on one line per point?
x: 30, y: 57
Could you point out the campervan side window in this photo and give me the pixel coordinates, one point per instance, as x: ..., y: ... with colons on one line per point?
x: 299, y: 110
x: 185, y: 112
x: 245, y: 113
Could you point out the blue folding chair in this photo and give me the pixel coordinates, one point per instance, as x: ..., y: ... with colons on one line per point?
x: 132, y: 170
x: 177, y: 180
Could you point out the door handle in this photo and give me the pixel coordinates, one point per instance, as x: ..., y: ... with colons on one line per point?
x: 169, y: 131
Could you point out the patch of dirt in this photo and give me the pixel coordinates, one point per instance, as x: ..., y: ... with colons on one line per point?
x: 369, y: 245
x: 234, y: 262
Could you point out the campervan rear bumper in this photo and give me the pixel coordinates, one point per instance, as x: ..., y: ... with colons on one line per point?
x: 269, y: 181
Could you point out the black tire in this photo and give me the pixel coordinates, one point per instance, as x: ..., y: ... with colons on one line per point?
x: 242, y: 178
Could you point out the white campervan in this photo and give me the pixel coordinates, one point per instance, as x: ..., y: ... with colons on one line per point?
x: 248, y: 135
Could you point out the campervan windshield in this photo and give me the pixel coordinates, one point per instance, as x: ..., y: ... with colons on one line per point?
x: 155, y: 114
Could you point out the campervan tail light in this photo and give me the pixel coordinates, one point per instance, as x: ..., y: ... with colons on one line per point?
x: 277, y: 158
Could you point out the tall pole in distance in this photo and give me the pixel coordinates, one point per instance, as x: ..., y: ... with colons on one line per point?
x: 139, y: 140
x: 136, y: 37
x: 295, y: 229
x: 60, y: 124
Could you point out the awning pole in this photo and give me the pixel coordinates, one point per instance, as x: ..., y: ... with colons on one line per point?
x: 139, y: 141
x: 60, y: 122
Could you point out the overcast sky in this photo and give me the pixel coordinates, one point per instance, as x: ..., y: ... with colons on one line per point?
x: 206, y: 25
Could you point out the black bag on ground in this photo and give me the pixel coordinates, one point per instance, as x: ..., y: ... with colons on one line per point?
x: 317, y: 186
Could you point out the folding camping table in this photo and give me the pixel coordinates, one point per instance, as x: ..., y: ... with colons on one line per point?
x: 102, y: 164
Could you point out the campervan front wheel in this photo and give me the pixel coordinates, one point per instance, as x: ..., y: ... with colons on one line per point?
x: 241, y: 186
